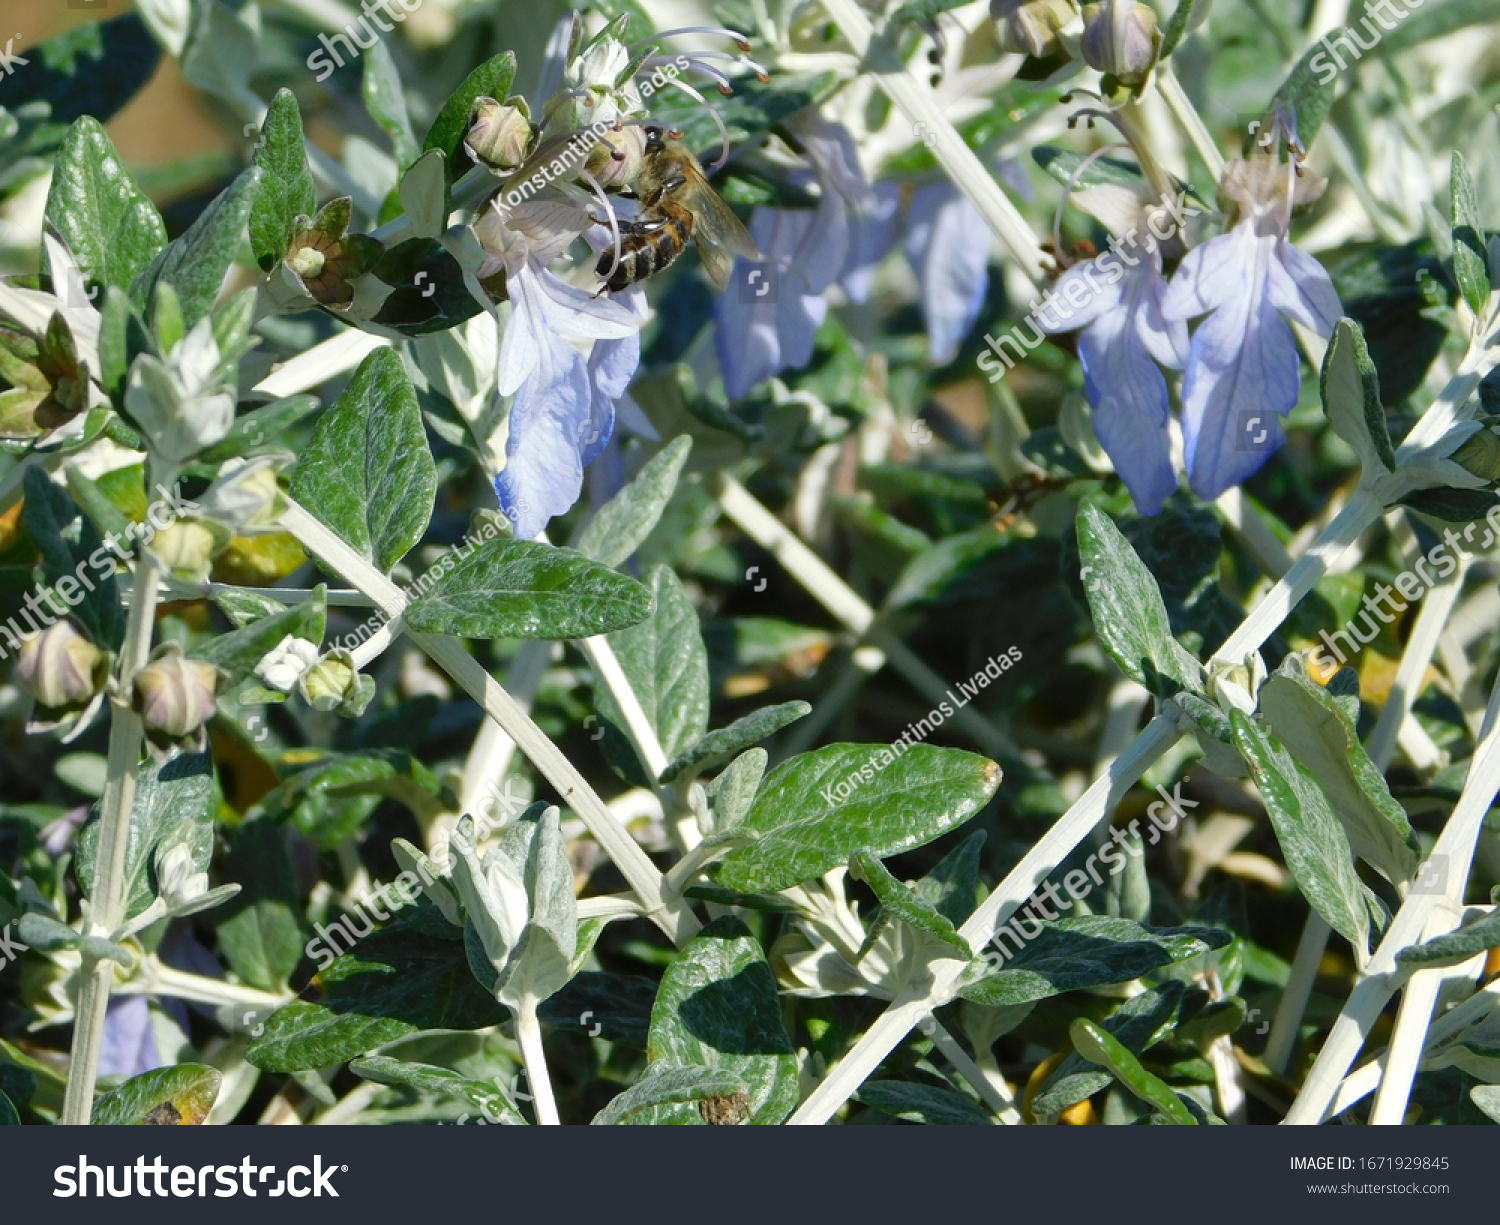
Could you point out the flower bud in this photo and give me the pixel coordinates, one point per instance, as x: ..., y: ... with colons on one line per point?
x: 60, y: 667
x: 245, y: 496
x: 616, y: 159
x: 283, y: 665
x: 186, y: 549
x: 1032, y: 27
x: 181, y: 404
x: 334, y: 683
x: 1120, y: 39
x: 499, y: 136
x: 179, y: 878
x: 175, y: 696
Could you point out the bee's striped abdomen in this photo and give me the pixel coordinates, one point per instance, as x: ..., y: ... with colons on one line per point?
x: 645, y: 251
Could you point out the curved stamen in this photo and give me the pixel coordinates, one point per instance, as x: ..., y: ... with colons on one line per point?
x: 1057, y: 248
x: 613, y: 222
x: 720, y: 79
x: 694, y: 59
x: 723, y: 131
x: 715, y: 31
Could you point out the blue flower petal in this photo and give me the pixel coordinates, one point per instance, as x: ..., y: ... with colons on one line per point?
x: 872, y: 234
x: 1128, y: 392
x: 1243, y: 375
x: 128, y: 1047
x: 948, y: 246
x: 543, y: 472
x: 758, y: 334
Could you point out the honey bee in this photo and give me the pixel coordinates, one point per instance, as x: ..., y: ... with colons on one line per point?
x: 677, y: 204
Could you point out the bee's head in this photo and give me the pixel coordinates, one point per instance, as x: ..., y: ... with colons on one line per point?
x: 656, y: 138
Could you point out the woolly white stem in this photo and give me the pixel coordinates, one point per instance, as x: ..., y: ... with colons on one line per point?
x: 117, y: 807
x: 996, y: 1096
x: 529, y: 1036
x: 1186, y: 114
x: 1295, y: 995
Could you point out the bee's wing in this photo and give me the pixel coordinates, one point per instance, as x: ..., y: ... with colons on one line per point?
x: 719, y: 233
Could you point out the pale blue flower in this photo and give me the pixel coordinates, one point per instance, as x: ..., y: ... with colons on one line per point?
x: 872, y: 234
x: 769, y: 318
x: 563, y: 412
x: 1118, y: 304
x: 948, y: 244
x: 1244, y: 371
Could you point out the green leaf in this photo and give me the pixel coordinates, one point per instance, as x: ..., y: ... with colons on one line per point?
x: 753, y: 110
x: 1487, y: 1098
x: 174, y: 802
x: 107, y: 222
x: 1453, y: 505
x: 932, y: 572
x: 195, y: 264
x: 1312, y: 840
x: 1099, y: 1046
x: 222, y: 49
x: 8, y: 1115
x: 1351, y: 397
x: 386, y: 101
x: 923, y: 12
x: 1083, y: 952
x: 664, y: 660
x: 1128, y: 612
x: 492, y: 79
x: 666, y: 1091
x: 179, y: 1096
x: 1307, y: 720
x: 1176, y: 28
x: 239, y: 651
x: 1457, y: 946
x: 900, y: 900
x: 617, y: 1006
x: 261, y: 930
x: 543, y: 960
x: 718, y: 1008
x: 525, y: 589
x: 718, y: 747
x: 367, y: 473
x: 1471, y: 264
x: 93, y: 69
x: 882, y: 806
x: 72, y: 549
x: 732, y: 793
x: 1138, y: 1024
x: 122, y: 338
x: 1064, y: 165
x: 391, y: 984
x: 928, y: 1104
x: 950, y: 887
x: 623, y: 522
x: 260, y: 428
x: 445, y: 1082
x: 1437, y: 21
x: 1306, y: 93
x: 286, y: 186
